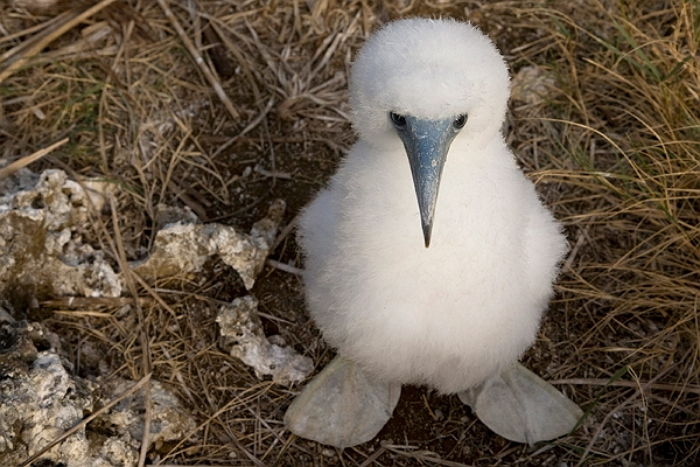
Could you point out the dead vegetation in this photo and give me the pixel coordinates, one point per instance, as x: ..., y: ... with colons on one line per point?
x: 222, y: 106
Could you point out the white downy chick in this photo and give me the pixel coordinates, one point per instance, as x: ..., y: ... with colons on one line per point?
x: 452, y: 306
x: 454, y: 313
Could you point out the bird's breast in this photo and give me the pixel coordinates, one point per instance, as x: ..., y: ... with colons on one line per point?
x: 376, y: 291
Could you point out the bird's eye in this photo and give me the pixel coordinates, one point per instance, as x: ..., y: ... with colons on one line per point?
x: 398, y: 120
x: 460, y: 121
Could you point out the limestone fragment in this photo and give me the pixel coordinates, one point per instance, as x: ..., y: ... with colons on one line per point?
x: 41, y: 399
x: 42, y: 221
x: 241, y: 329
x: 183, y: 247
x: 169, y: 420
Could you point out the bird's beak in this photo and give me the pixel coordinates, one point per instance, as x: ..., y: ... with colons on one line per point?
x: 427, y: 143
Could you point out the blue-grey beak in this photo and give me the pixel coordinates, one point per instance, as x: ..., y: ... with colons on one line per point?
x: 427, y: 143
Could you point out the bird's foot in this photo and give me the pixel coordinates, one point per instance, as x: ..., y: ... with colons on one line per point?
x: 341, y: 406
x: 520, y: 406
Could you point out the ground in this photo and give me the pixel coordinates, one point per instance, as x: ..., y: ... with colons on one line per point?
x: 605, y: 120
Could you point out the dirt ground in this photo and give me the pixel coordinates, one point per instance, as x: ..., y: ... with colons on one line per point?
x: 605, y: 119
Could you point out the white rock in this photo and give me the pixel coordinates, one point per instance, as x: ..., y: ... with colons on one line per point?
x: 41, y: 223
x: 38, y: 406
x: 169, y: 420
x: 184, y: 247
x: 40, y: 400
x: 242, y: 330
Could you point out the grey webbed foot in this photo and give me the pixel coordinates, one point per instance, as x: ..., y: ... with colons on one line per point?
x: 341, y: 406
x: 520, y: 406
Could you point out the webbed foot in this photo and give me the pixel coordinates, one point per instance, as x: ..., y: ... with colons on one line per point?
x: 341, y: 406
x: 520, y: 406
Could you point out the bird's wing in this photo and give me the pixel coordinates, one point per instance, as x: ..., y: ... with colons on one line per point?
x: 317, y: 224
x: 545, y: 246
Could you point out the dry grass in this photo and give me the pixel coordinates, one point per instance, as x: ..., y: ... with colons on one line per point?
x: 614, y: 149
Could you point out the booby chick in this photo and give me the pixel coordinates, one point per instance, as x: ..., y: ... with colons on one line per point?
x: 429, y: 257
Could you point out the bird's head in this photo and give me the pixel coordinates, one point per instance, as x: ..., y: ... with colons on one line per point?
x: 428, y: 85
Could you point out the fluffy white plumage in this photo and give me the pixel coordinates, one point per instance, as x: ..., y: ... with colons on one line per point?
x: 451, y: 315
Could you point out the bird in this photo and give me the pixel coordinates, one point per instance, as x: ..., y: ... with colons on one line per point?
x: 429, y: 257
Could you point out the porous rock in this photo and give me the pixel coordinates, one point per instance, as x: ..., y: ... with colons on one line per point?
x: 242, y: 330
x: 169, y: 421
x: 40, y: 399
x: 42, y: 218
x: 183, y: 247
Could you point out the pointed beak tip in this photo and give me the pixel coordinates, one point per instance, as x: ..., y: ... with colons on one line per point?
x: 426, y: 235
